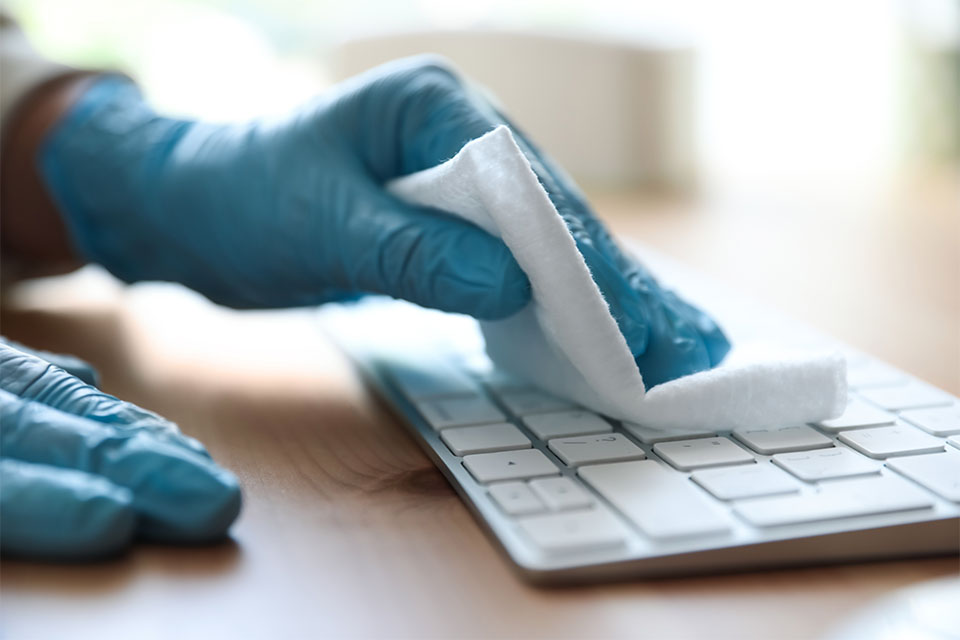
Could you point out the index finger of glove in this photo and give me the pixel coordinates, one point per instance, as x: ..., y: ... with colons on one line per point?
x: 31, y: 378
x: 71, y: 364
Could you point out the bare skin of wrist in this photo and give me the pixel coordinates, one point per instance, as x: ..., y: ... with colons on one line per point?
x: 33, y: 237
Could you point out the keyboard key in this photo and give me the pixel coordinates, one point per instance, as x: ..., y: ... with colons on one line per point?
x: 837, y: 499
x: 484, y: 438
x: 649, y: 435
x: 745, y: 481
x: 561, y: 494
x: 523, y: 402
x: 429, y: 379
x: 913, y: 395
x: 661, y: 502
x: 571, y: 531
x: 874, y: 374
x: 607, y: 447
x: 939, y: 421
x: 858, y: 414
x: 954, y: 440
x: 509, y: 465
x: 456, y: 411
x: 516, y: 498
x: 702, y: 452
x: 939, y: 472
x: 566, y: 423
x: 772, y: 440
x: 896, y: 440
x: 838, y: 462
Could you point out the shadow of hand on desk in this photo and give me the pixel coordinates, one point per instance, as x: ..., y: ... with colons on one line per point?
x: 99, y: 577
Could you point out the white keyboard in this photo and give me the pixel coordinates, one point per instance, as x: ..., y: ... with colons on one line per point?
x: 572, y: 496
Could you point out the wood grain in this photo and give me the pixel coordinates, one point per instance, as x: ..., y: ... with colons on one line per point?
x: 347, y: 528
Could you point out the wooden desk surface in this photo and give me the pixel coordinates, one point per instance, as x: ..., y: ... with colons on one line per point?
x: 347, y: 528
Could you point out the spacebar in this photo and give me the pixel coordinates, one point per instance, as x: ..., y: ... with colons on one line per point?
x: 839, y: 499
x: 660, y: 502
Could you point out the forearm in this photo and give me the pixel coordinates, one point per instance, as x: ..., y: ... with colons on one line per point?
x: 33, y: 236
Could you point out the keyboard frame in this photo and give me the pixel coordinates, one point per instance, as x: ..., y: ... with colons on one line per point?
x: 905, y: 534
x: 916, y: 533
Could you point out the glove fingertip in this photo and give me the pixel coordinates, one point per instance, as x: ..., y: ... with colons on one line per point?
x: 223, y: 505
x: 714, y: 339
x: 201, y: 510
x: 718, y: 346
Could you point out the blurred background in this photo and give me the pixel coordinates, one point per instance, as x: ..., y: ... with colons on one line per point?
x: 674, y: 93
x: 806, y: 152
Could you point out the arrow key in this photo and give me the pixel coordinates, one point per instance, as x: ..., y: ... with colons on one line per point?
x: 509, y: 465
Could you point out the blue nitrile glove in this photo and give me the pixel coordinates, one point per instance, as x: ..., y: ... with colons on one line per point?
x: 293, y: 211
x: 82, y: 473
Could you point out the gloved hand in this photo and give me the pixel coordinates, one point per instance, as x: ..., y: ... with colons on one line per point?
x: 82, y: 473
x: 293, y: 211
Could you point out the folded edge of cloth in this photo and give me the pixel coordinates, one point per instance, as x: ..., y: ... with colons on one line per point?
x: 567, y: 342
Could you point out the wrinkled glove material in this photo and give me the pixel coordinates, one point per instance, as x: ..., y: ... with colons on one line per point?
x: 82, y: 474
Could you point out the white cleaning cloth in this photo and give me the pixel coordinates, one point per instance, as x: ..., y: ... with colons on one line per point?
x: 567, y: 342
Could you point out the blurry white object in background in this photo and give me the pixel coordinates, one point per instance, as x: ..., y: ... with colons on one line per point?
x: 230, y: 76
x: 786, y: 97
x: 611, y: 113
x: 932, y: 69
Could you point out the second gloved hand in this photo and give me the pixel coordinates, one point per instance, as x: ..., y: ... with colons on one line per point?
x: 83, y: 473
x: 293, y: 211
